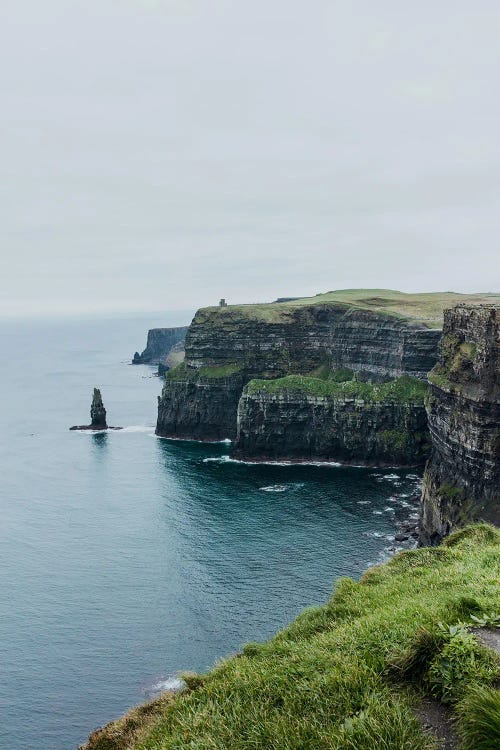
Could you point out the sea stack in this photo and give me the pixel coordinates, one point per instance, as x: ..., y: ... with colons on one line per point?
x: 98, y: 412
x: 97, y: 415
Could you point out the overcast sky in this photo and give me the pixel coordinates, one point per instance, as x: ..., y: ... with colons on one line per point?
x: 161, y: 154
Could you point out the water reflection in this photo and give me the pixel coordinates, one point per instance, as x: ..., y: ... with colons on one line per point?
x: 100, y: 444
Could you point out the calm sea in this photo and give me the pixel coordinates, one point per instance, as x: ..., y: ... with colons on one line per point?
x: 125, y: 558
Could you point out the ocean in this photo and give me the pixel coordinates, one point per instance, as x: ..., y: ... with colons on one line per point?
x: 125, y: 558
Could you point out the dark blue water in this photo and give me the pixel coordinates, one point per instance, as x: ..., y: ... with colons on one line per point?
x: 124, y: 558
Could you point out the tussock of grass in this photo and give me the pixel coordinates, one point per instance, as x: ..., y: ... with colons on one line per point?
x: 126, y: 733
x: 327, y: 681
x: 402, y: 390
x: 479, y: 722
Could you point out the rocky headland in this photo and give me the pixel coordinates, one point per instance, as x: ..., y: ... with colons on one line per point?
x: 161, y: 343
x: 376, y: 335
x: 462, y: 478
x: 304, y: 419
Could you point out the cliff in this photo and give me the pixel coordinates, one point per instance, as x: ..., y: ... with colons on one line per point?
x: 278, y: 339
x: 353, y: 672
x: 159, y: 344
x: 300, y: 418
x: 462, y: 479
x: 379, y: 334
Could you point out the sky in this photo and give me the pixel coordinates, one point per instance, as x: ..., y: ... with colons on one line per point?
x: 162, y: 154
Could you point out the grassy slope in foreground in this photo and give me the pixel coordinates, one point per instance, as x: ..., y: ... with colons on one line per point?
x: 425, y: 308
x: 345, y: 675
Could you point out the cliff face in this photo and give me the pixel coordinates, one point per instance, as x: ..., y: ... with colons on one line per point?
x: 347, y: 427
x: 299, y: 339
x: 159, y: 343
x: 199, y: 407
x: 462, y: 478
x: 227, y: 347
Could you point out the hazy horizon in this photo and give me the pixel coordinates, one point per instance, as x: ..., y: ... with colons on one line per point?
x: 159, y: 155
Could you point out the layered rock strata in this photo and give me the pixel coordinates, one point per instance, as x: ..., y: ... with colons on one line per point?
x: 301, y: 338
x: 159, y: 344
x: 227, y: 347
x: 97, y: 412
x: 355, y: 423
x: 462, y: 478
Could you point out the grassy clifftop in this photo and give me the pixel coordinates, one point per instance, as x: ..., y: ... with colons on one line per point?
x: 426, y: 308
x: 348, y: 675
x: 401, y: 390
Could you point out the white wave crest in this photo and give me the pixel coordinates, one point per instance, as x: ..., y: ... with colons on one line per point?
x: 138, y: 428
x: 229, y: 460
x: 171, y: 684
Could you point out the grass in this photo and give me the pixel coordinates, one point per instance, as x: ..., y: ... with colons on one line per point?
x: 479, y: 723
x: 424, y: 308
x: 183, y: 372
x: 455, y: 367
x: 331, y: 680
x: 402, y: 390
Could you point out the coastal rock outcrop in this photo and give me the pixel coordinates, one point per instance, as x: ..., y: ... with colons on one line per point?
x: 97, y: 412
x: 227, y: 347
x: 299, y: 418
x: 159, y: 344
x: 277, y: 339
x: 462, y: 478
x: 97, y: 415
x: 200, y: 405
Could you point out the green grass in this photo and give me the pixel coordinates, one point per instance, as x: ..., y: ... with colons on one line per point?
x: 183, y: 372
x: 479, y: 723
x: 222, y: 371
x: 424, y: 308
x: 455, y: 367
x: 402, y: 390
x: 335, y: 678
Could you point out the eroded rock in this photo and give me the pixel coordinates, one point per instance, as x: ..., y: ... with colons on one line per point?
x: 462, y: 479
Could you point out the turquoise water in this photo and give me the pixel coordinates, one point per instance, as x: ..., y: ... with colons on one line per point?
x: 125, y: 558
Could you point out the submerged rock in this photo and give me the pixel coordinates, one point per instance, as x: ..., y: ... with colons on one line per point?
x: 97, y: 415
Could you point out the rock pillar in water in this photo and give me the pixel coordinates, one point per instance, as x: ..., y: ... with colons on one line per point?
x: 98, y: 412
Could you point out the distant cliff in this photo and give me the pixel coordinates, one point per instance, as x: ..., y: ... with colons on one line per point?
x: 159, y: 344
x: 462, y: 479
x: 302, y: 418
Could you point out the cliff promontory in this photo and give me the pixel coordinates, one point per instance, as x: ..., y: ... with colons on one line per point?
x: 159, y: 344
x: 462, y: 479
x: 377, y: 334
x: 302, y: 418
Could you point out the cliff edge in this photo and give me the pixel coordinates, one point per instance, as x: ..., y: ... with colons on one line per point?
x: 352, y: 674
x: 462, y: 478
